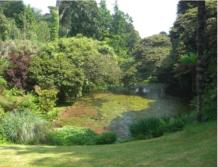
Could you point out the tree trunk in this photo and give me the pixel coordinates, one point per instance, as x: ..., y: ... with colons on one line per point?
x: 200, y: 53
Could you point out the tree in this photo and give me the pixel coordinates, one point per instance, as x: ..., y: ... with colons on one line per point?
x: 123, y: 36
x: 200, y: 54
x: 82, y: 16
x: 105, y: 19
x: 56, y: 71
x: 150, y: 55
x: 183, y: 36
x: 54, y: 25
x: 75, y: 66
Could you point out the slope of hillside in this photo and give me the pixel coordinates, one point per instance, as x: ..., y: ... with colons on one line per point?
x: 193, y: 147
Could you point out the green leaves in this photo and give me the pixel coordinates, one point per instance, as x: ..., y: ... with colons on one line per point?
x: 75, y: 65
x: 189, y: 58
x: 151, y: 55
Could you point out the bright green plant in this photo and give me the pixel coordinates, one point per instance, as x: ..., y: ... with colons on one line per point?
x: 74, y: 66
x: 57, y: 72
x: 72, y: 136
x: 190, y: 58
x: 147, y: 128
x: 46, y: 98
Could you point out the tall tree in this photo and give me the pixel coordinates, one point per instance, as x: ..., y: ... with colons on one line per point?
x: 200, y: 54
x: 105, y: 19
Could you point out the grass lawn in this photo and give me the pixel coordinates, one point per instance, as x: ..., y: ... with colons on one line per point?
x: 193, y: 147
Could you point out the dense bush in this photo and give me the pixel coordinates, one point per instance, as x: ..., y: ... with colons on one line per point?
x: 72, y: 136
x: 16, y: 56
x: 75, y: 65
x: 209, y: 101
x: 46, y: 98
x: 16, y: 74
x: 106, y: 138
x: 147, y: 128
x: 151, y: 54
x: 155, y: 127
x: 173, y: 124
x: 18, y: 46
x: 24, y: 127
x: 57, y: 71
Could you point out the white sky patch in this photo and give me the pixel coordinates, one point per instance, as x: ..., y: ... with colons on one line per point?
x: 149, y: 16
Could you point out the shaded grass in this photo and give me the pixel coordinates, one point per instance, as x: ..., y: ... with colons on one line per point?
x: 193, y: 147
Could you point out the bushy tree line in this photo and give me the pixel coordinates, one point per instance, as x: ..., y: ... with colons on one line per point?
x: 173, y: 58
x: 73, y: 65
x: 96, y: 21
x: 18, y: 21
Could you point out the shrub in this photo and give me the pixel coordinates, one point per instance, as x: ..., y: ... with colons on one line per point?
x: 147, y: 128
x: 15, y: 92
x: 106, y: 138
x: 46, y: 98
x: 3, y: 82
x: 56, y: 71
x: 72, y: 136
x: 7, y: 103
x: 16, y: 74
x: 24, y: 128
x: 27, y: 102
x: 74, y: 66
x: 2, y: 113
x: 173, y: 124
x: 9, y: 46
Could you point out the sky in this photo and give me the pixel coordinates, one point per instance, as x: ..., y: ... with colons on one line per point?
x: 149, y: 16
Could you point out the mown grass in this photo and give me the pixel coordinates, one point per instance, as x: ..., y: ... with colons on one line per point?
x: 195, y: 146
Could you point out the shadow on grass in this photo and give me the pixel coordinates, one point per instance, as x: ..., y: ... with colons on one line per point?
x: 195, y: 146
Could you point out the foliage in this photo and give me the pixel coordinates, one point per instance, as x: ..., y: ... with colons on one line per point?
x: 19, y: 21
x: 173, y: 124
x: 16, y: 74
x: 209, y: 102
x: 106, y: 138
x: 151, y: 55
x: 24, y: 127
x: 3, y: 85
x: 59, y: 72
x: 83, y: 18
x: 185, y: 67
x: 74, y: 65
x: 183, y: 37
x: 72, y: 136
x: 54, y: 25
x: 27, y: 102
x: 147, y: 128
x: 96, y: 21
x: 17, y: 46
x: 46, y: 98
